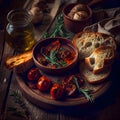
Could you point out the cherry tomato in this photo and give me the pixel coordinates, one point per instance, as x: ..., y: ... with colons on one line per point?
x: 57, y: 91
x: 44, y: 83
x: 33, y: 74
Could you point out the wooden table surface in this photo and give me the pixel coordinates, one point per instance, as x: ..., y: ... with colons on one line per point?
x: 14, y: 106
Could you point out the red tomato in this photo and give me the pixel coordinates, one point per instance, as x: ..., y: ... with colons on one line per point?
x: 56, y: 91
x: 33, y: 74
x: 44, y: 83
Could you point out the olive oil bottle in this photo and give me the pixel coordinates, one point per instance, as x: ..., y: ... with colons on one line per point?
x: 19, y: 32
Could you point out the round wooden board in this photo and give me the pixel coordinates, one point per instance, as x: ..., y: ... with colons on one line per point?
x: 45, y: 101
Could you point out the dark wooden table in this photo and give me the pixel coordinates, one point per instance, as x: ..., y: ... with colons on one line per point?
x: 14, y: 106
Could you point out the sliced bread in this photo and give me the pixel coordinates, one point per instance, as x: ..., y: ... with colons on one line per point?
x: 102, y: 57
x: 14, y: 61
x: 87, y: 42
x: 94, y: 78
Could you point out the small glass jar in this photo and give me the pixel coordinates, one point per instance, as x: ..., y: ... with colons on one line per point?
x: 20, y: 30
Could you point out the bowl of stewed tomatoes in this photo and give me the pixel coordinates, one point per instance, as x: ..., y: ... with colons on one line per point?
x: 55, y: 56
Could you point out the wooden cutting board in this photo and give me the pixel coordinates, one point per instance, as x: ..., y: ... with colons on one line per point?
x: 44, y: 100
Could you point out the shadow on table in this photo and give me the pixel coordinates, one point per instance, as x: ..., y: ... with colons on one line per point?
x: 108, y: 102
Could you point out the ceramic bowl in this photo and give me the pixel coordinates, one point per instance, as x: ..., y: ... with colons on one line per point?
x: 40, y: 49
x: 74, y: 25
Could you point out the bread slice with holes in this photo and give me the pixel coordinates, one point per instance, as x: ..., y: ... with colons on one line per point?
x: 94, y: 78
x: 87, y: 42
x: 102, y: 57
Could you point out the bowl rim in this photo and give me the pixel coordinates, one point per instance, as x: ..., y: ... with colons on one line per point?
x: 85, y: 19
x: 54, y: 38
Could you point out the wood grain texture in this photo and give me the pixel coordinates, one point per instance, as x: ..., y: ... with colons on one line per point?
x: 44, y: 100
x: 5, y: 77
x: 106, y: 107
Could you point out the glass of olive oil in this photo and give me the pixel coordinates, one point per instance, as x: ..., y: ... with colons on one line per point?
x: 19, y: 32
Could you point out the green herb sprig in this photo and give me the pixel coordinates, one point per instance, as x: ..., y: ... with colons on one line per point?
x: 16, y: 112
x: 83, y: 91
x: 58, y: 29
x: 18, y: 100
x: 53, y: 59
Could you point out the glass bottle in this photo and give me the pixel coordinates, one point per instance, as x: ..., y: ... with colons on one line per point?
x: 20, y: 30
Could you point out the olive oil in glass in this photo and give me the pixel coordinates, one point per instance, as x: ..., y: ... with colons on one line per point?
x: 20, y: 30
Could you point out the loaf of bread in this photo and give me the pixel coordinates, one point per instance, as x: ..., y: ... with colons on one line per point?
x: 94, y: 78
x: 102, y: 57
x: 87, y: 42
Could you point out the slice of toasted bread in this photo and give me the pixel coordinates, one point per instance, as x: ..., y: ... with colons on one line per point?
x: 102, y: 57
x: 94, y: 78
x: 14, y: 61
x: 87, y: 42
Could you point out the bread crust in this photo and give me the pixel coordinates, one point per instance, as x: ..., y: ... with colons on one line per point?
x: 87, y: 42
x: 14, y: 61
x: 103, y: 55
x: 94, y: 78
x: 98, y: 45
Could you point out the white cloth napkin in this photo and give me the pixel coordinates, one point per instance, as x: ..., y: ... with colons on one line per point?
x: 109, y: 25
